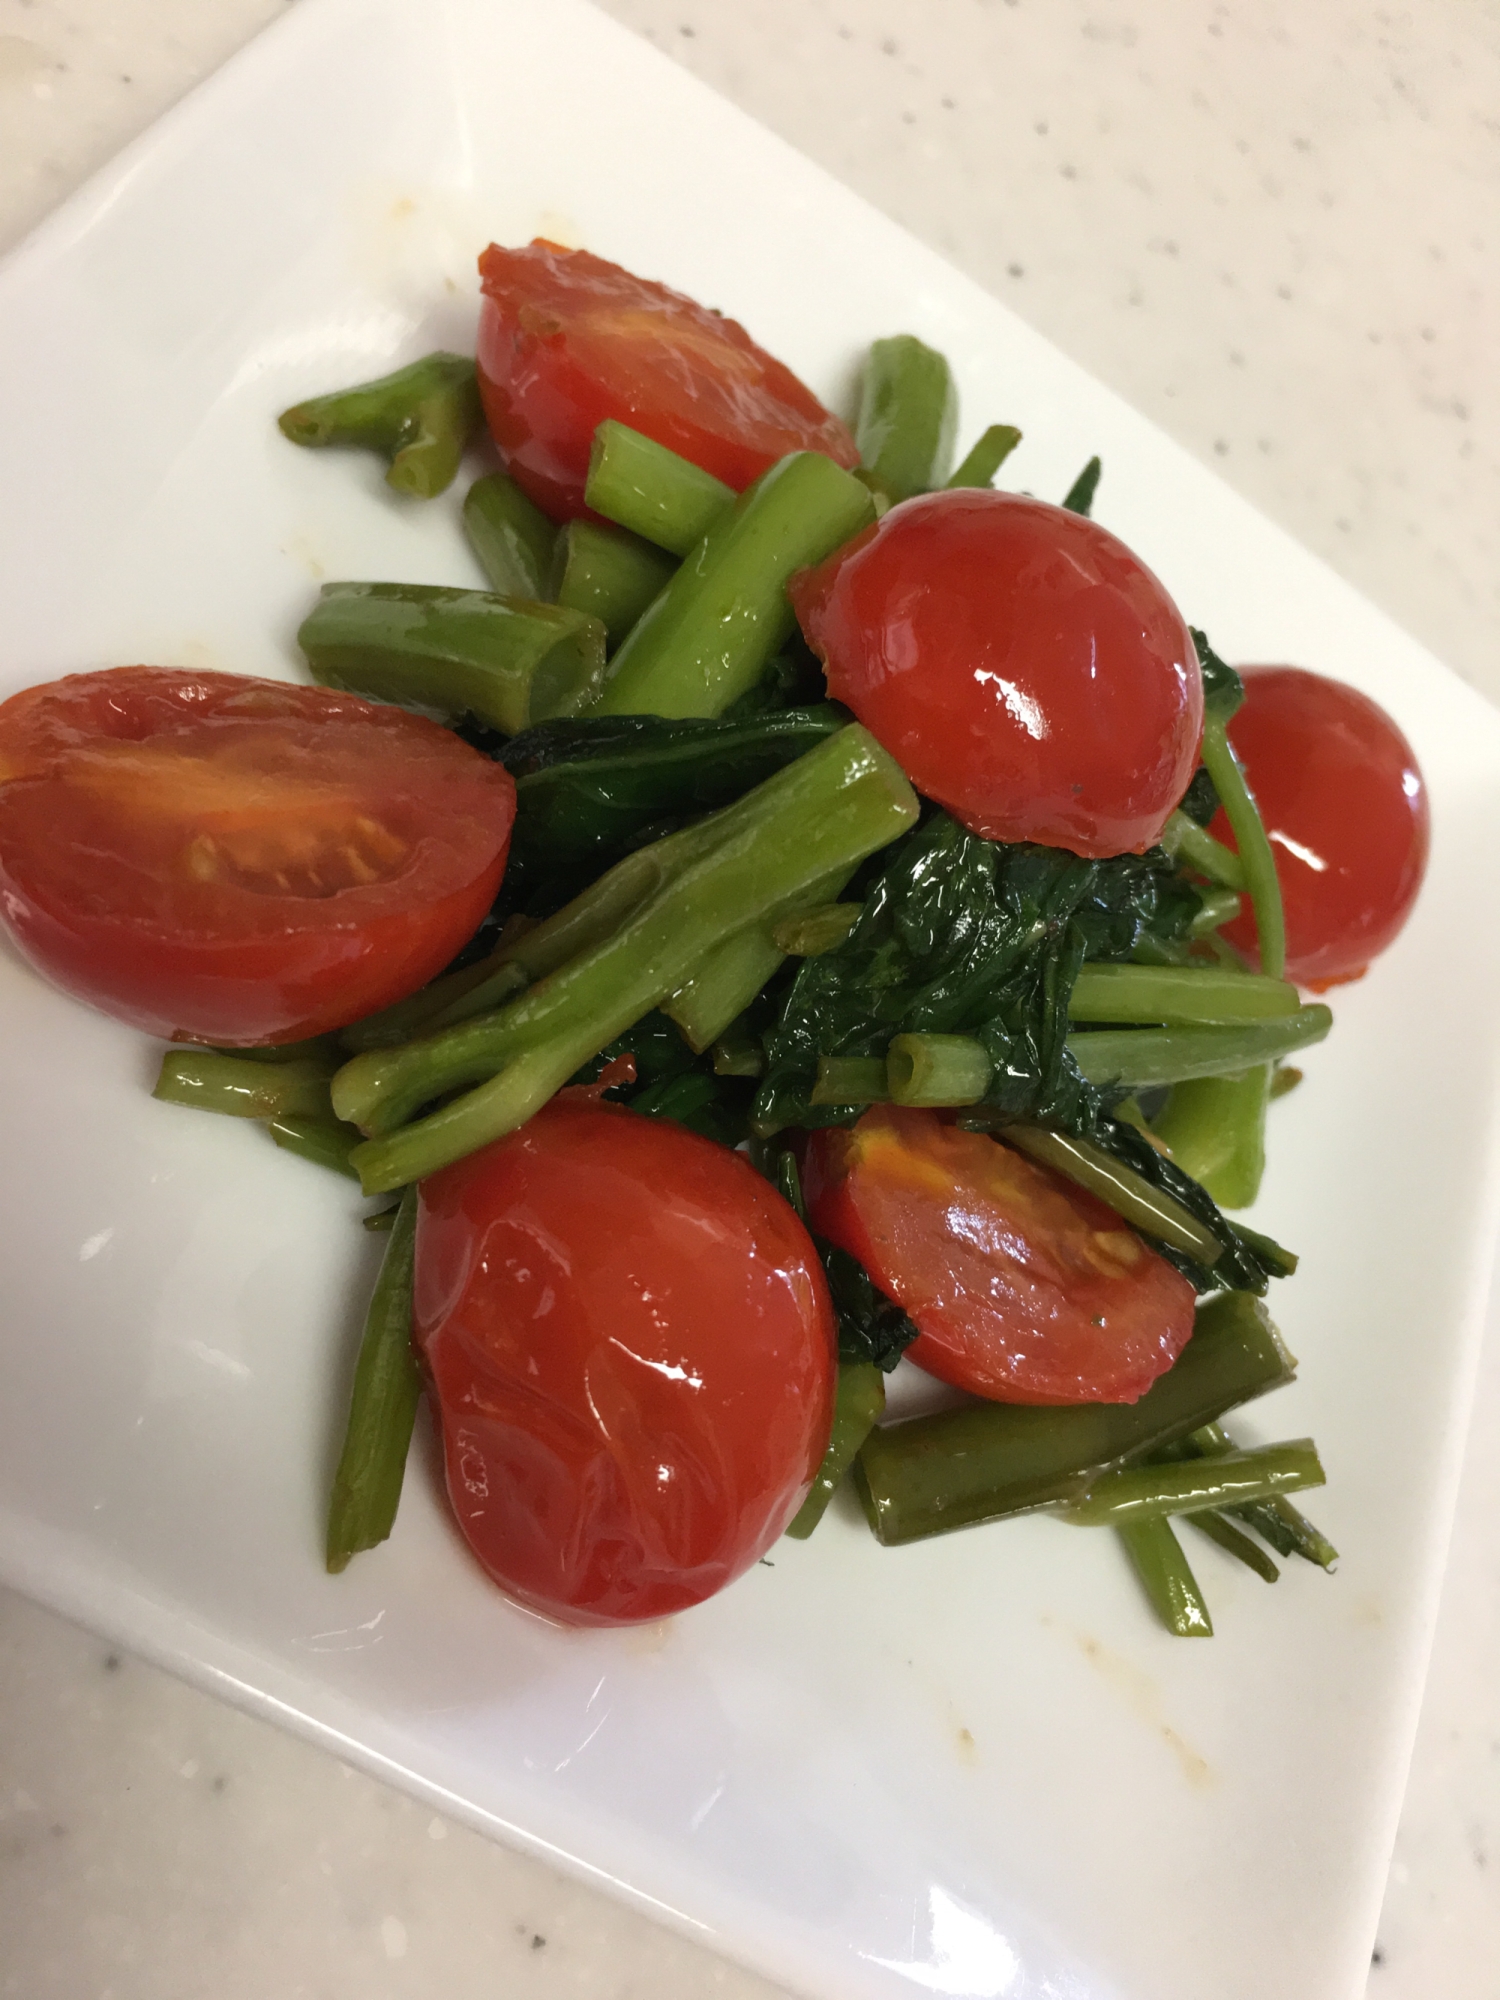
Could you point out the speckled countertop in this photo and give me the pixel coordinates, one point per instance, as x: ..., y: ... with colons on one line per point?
x: 1272, y: 227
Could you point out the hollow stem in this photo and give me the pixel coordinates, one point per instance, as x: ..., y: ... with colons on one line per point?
x: 1140, y: 1058
x: 502, y: 659
x: 1167, y: 1578
x: 712, y: 633
x: 420, y: 418
x: 1131, y: 1196
x: 823, y: 813
x: 858, y: 1405
x: 1178, y: 995
x: 937, y: 1069
x: 985, y: 458
x: 936, y: 1473
x: 607, y: 573
x: 908, y: 416
x: 642, y: 486
x: 382, y: 1407
x: 241, y: 1087
x: 1191, y: 1486
x: 510, y: 535
x: 1215, y: 1129
x: 851, y: 1080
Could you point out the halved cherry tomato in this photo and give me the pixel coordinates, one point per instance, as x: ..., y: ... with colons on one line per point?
x: 566, y: 340
x: 1346, y: 809
x: 1025, y: 1288
x: 631, y: 1342
x: 240, y: 861
x: 1026, y: 669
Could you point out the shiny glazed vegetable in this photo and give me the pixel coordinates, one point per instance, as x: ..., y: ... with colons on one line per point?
x: 631, y: 1344
x: 239, y: 861
x: 1025, y: 669
x: 1025, y: 1288
x: 1346, y: 810
x: 566, y: 340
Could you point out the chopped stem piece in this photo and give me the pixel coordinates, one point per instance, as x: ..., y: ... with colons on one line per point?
x: 607, y: 573
x: 1139, y: 1058
x: 1167, y: 1578
x: 1178, y: 995
x: 851, y: 1080
x: 711, y: 634
x: 510, y: 535
x: 937, y: 1069
x: 1233, y: 1543
x: 502, y: 659
x: 240, y: 1087
x: 1132, y: 1197
x: 858, y: 1404
x: 383, y: 1405
x: 420, y: 418
x: 1194, y: 1485
x: 324, y: 1141
x: 1185, y: 840
x: 986, y: 457
x: 644, y: 487
x: 908, y: 416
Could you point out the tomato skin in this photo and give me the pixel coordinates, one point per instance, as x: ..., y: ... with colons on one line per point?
x: 1027, y: 671
x: 1026, y: 1289
x: 146, y: 815
x: 632, y: 1348
x: 566, y: 340
x: 1346, y: 809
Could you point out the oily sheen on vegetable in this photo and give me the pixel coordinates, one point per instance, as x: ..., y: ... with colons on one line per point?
x: 239, y: 861
x: 567, y: 340
x: 1024, y: 1287
x: 1025, y: 669
x: 629, y: 1336
x: 1346, y: 810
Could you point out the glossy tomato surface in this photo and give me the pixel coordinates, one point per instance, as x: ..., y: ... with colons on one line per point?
x: 566, y: 340
x: 240, y: 861
x: 1028, y: 672
x: 1346, y: 810
x: 1025, y: 1288
x: 632, y: 1347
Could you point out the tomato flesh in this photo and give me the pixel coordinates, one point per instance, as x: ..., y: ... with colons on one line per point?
x: 1346, y: 810
x: 566, y: 340
x: 1027, y: 671
x: 1025, y: 1288
x: 221, y: 859
x: 632, y: 1348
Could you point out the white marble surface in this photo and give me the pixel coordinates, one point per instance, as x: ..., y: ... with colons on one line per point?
x: 1273, y: 228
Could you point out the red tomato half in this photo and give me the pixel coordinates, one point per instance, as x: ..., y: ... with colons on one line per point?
x: 1020, y: 663
x: 240, y: 861
x: 631, y: 1342
x: 1026, y: 1289
x: 1346, y: 809
x: 566, y: 340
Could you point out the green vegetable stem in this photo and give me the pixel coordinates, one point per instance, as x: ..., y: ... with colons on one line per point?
x: 383, y: 1405
x: 242, y: 1086
x: 1133, y: 1198
x: 1194, y: 1486
x: 937, y: 1069
x: 510, y: 535
x: 631, y: 940
x: 642, y: 486
x: 1141, y: 1058
x: 461, y: 652
x: 712, y: 633
x: 608, y: 573
x: 1214, y: 1128
x: 323, y: 1140
x: 932, y: 1474
x: 421, y: 418
x: 986, y: 456
x: 908, y: 417
x: 1080, y: 495
x: 1166, y: 1577
x: 857, y: 1408
x: 1178, y: 995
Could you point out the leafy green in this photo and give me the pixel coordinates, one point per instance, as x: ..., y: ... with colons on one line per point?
x: 591, y: 789
x: 871, y: 1326
x: 961, y: 935
x: 1223, y: 690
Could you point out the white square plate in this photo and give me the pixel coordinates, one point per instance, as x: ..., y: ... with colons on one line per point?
x: 972, y: 1767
